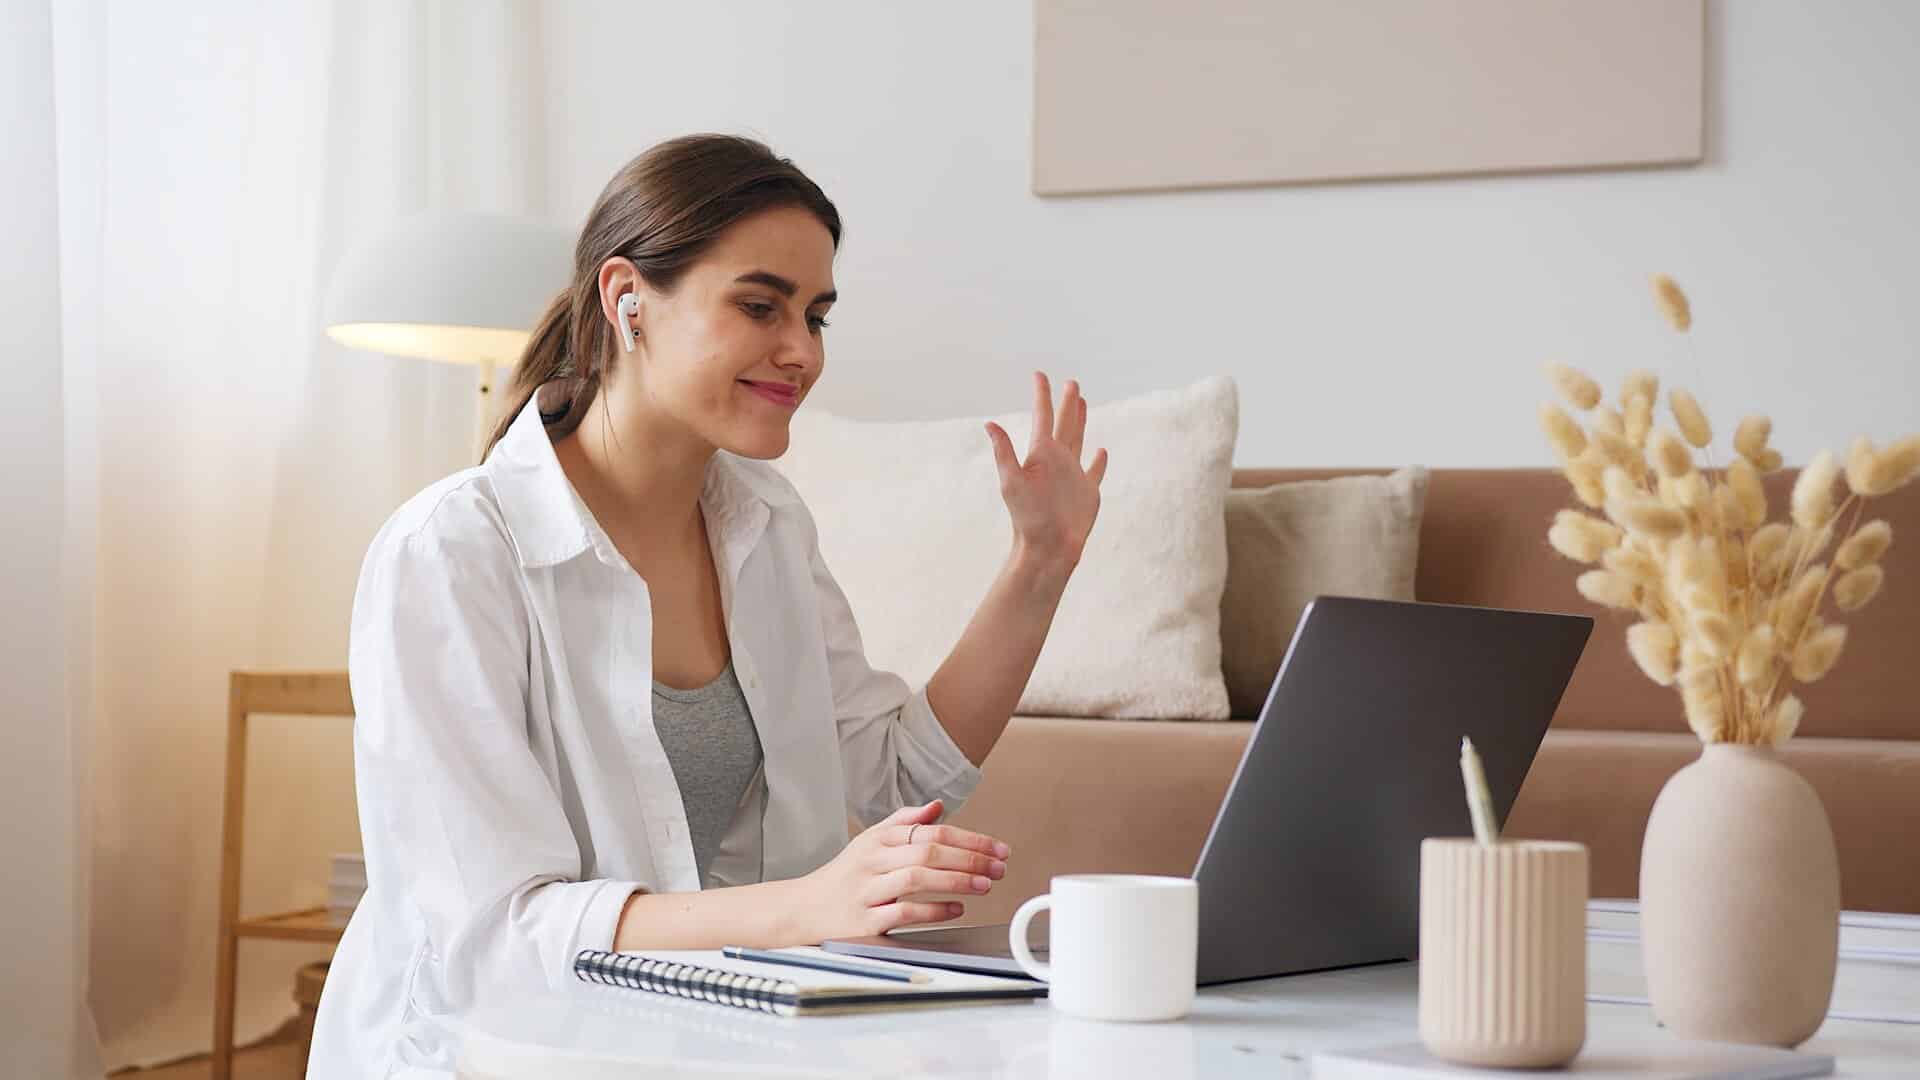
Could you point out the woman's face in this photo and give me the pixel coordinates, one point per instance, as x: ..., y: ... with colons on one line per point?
x: 736, y: 346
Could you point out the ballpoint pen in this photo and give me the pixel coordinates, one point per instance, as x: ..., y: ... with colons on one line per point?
x: 823, y: 963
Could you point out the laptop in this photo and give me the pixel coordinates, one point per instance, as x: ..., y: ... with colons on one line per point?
x: 1313, y: 861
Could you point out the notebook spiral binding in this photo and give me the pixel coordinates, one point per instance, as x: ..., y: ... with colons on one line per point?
x: 683, y: 980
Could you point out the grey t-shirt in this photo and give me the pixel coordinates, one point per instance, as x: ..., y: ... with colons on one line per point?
x: 710, y: 741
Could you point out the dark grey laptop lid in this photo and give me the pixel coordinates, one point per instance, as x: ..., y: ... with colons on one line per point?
x: 1313, y: 861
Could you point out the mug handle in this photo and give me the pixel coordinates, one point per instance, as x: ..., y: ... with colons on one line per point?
x: 1017, y: 937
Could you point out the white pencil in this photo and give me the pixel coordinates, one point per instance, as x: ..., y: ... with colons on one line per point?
x: 1479, y: 803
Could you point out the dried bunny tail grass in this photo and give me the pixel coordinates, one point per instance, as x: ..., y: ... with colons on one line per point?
x: 1694, y: 573
x: 1785, y: 719
x: 1715, y: 634
x: 1743, y: 479
x: 1673, y: 302
x: 1817, y: 655
x: 1655, y: 649
x: 1619, y: 484
x: 1606, y: 418
x: 1769, y: 540
x: 1865, y: 546
x: 1606, y: 589
x: 1615, y: 450
x: 1706, y: 595
x: 1750, y: 438
x: 1877, y: 472
x: 1727, y: 509
x: 1706, y: 711
x: 1754, y: 664
x: 1691, y: 418
x: 1584, y: 474
x: 1640, y: 384
x: 1734, y: 560
x: 1697, y: 664
x: 1813, y: 491
x: 1568, y: 440
x: 1685, y: 562
x: 1581, y: 537
x: 1810, y: 543
x: 1688, y: 492
x: 1669, y: 454
x: 1580, y: 391
x: 1766, y: 552
x: 1862, y: 461
x: 1856, y: 587
x: 1897, y: 465
x: 1769, y: 462
x: 1644, y: 515
x: 1634, y: 564
x: 1793, y: 608
x: 1638, y: 419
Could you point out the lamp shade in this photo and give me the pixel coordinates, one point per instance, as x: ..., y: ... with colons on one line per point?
x: 457, y: 287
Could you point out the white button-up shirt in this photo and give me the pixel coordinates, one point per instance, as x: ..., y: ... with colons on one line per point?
x: 512, y: 790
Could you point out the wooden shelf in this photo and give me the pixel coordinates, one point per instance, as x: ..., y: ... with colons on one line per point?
x: 311, y: 924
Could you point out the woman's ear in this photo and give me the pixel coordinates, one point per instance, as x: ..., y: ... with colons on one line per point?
x: 621, y: 289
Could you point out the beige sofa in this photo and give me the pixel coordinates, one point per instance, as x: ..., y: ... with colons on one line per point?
x: 1081, y: 795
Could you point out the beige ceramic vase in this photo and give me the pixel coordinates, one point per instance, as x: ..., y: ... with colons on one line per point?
x: 1739, y: 901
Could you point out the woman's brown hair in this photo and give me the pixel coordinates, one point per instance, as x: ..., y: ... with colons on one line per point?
x: 662, y: 210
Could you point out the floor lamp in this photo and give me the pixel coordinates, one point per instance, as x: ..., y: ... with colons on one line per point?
x: 461, y: 288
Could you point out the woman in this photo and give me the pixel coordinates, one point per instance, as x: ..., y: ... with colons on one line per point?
x: 608, y: 694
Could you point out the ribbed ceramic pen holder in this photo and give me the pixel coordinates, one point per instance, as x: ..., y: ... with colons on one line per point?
x: 1503, y: 951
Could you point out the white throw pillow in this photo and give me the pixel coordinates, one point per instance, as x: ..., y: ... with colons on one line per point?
x: 912, y: 527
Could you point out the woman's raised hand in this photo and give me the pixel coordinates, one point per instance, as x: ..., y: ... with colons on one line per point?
x: 1052, y: 500
x: 864, y: 890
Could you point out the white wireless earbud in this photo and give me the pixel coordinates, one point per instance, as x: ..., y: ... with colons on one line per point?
x: 629, y: 307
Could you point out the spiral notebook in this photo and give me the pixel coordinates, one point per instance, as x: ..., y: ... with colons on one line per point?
x: 706, y: 975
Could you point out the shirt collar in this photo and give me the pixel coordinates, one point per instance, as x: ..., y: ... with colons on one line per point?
x: 550, y: 523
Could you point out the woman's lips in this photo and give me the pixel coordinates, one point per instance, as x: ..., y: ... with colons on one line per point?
x: 778, y: 393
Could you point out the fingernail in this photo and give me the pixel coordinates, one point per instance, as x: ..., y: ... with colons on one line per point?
x: 996, y: 869
x: 954, y: 909
x: 1001, y: 849
x: 981, y: 884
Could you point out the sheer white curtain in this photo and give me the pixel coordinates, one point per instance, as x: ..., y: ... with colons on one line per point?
x: 44, y: 577
x: 230, y: 463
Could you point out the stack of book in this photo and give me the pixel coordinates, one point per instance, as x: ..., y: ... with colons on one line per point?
x: 1878, y: 978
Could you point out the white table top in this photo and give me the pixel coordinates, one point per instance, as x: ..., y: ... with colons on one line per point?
x: 1268, y: 1029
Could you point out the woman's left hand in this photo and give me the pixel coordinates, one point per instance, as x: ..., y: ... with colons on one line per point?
x: 1052, y: 500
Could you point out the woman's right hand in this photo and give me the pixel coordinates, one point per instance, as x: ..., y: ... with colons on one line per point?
x: 863, y: 890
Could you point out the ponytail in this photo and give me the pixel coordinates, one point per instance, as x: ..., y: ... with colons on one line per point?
x: 548, y: 358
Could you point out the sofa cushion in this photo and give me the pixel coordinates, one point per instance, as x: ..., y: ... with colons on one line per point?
x: 912, y: 526
x: 1287, y: 543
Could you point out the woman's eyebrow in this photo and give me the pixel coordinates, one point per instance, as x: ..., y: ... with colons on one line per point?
x: 783, y: 286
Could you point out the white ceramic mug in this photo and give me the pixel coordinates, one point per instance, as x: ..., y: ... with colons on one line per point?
x: 1122, y: 946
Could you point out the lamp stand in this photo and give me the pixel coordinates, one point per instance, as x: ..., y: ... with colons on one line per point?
x: 483, y: 411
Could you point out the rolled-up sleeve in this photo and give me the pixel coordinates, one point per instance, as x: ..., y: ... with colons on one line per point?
x: 894, y: 749
x: 455, y: 807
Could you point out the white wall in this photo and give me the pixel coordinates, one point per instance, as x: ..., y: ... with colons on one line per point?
x: 40, y: 1024
x: 1369, y: 323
